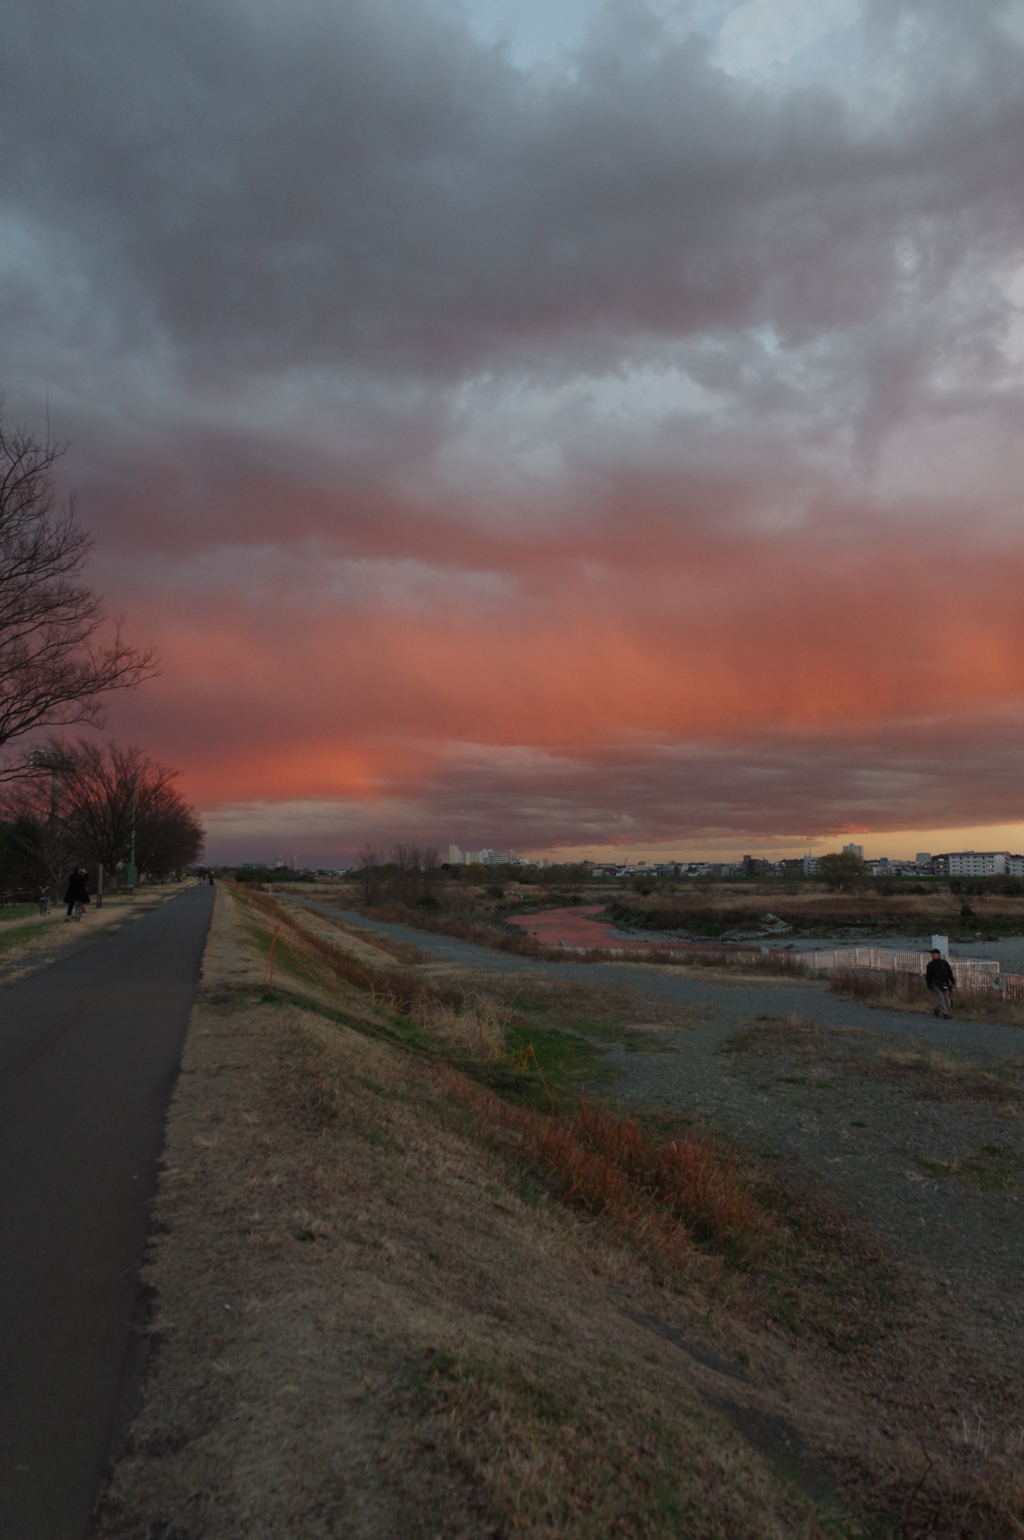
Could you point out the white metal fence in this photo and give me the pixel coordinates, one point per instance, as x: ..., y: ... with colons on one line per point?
x: 974, y: 975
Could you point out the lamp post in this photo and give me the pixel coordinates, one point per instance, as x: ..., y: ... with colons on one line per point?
x: 131, y: 875
x: 58, y: 763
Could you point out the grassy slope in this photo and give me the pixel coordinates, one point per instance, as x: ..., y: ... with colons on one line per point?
x: 422, y: 1340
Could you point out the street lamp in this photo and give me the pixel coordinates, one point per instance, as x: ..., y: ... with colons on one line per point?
x: 131, y: 874
x: 58, y: 763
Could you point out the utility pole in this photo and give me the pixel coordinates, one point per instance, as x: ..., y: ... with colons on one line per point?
x: 131, y: 875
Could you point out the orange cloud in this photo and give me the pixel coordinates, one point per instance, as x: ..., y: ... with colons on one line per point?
x: 293, y: 698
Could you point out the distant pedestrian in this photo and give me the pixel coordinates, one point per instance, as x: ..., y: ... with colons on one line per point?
x: 940, y: 980
x: 44, y: 900
x: 78, y: 891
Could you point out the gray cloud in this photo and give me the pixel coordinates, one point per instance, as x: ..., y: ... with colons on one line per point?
x: 262, y: 187
x: 340, y: 277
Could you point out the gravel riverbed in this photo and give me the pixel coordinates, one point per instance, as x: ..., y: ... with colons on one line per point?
x: 912, y: 1123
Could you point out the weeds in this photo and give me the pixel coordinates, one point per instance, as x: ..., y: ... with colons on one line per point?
x: 792, y: 1034
x: 993, y: 1170
x: 601, y: 1453
x: 908, y: 991
x: 941, y: 1077
x: 661, y: 1195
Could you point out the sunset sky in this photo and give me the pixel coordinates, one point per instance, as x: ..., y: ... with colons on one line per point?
x: 570, y: 426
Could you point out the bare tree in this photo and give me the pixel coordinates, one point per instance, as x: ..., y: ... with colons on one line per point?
x: 405, y: 873
x: 39, y: 847
x: 53, y: 667
x: 371, y: 859
x: 108, y: 790
x: 432, y: 873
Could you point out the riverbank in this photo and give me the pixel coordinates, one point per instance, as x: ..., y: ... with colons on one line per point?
x: 424, y: 1339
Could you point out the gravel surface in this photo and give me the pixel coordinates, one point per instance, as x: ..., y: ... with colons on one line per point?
x: 938, y: 1173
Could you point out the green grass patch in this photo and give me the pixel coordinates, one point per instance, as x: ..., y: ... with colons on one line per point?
x: 592, y: 1450
x: 19, y: 934
x: 995, y: 1169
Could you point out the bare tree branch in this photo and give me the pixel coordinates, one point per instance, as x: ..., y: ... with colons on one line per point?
x: 54, y: 664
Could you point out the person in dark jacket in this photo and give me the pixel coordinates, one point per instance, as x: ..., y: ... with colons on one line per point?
x: 78, y: 891
x: 939, y: 977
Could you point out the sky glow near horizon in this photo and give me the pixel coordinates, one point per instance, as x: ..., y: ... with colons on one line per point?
x: 576, y: 426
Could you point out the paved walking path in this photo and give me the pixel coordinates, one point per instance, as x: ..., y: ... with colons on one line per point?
x: 89, y: 1053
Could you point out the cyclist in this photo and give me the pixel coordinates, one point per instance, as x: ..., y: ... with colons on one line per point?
x: 77, y: 894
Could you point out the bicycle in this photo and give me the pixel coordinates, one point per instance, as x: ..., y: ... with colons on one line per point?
x: 78, y: 909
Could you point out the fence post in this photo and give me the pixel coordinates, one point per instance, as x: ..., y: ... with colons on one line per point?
x: 268, y: 974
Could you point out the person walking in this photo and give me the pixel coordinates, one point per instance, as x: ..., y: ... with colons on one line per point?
x: 940, y: 980
x: 44, y: 900
x: 78, y: 891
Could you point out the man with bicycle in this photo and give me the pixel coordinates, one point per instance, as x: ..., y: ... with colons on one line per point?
x: 77, y: 894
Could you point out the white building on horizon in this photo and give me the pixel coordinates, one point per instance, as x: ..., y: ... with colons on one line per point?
x: 983, y: 863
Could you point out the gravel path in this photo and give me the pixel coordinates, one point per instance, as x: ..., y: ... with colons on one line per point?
x: 940, y: 1179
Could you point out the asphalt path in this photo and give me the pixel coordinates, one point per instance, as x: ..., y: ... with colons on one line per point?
x: 89, y: 1054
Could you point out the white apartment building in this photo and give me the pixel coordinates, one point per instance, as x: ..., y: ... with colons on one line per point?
x: 457, y: 857
x: 984, y: 863
x: 854, y: 850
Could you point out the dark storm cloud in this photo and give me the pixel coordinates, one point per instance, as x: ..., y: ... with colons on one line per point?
x: 790, y: 786
x: 262, y: 186
x: 628, y: 402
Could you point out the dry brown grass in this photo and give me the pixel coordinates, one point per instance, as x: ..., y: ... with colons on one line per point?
x: 908, y: 992
x: 816, y: 901
x: 793, y: 1034
x: 422, y: 1343
x: 595, y: 1006
x: 364, y: 1331
x: 36, y: 942
x: 657, y: 1193
x: 942, y: 1077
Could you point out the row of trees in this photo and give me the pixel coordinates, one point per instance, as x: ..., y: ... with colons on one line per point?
x: 59, y: 659
x: 407, y: 875
x: 87, y: 816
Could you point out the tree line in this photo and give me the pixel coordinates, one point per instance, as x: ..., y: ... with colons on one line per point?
x: 60, y: 658
x: 87, y: 813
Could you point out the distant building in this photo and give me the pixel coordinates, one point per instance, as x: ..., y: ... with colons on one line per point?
x: 981, y: 863
x: 810, y: 865
x: 924, y: 860
x: 854, y: 850
x: 454, y: 855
